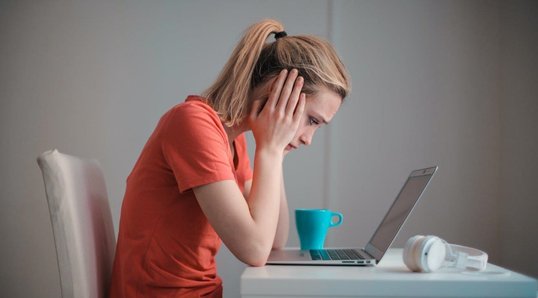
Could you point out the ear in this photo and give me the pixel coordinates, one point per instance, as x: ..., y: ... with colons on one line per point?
x: 271, y: 82
x: 259, y: 104
x: 261, y: 93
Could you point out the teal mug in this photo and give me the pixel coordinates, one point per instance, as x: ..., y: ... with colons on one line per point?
x: 313, y: 224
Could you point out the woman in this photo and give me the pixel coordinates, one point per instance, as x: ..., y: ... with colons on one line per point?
x: 192, y: 186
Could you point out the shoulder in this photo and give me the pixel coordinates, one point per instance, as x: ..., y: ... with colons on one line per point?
x: 192, y: 115
x: 193, y: 106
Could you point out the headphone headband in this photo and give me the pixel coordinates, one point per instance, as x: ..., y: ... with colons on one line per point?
x: 429, y: 253
x: 468, y: 257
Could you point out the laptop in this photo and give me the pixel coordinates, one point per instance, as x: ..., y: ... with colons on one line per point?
x: 380, y: 241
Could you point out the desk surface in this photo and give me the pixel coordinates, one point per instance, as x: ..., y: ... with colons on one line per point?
x: 390, y: 278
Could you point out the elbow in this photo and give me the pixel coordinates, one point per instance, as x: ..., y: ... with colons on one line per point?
x: 256, y: 256
x: 256, y: 259
x: 257, y: 262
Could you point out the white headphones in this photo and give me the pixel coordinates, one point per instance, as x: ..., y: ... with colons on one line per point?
x: 429, y: 253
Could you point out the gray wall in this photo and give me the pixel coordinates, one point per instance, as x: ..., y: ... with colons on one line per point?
x: 452, y: 83
x: 518, y: 222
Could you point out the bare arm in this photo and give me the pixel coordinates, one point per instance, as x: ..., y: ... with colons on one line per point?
x: 281, y: 237
x: 283, y: 226
x: 248, y: 227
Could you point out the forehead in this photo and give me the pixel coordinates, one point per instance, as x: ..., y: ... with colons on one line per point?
x: 324, y: 102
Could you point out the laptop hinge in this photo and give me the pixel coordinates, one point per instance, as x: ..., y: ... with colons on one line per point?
x: 374, y: 252
x: 367, y: 254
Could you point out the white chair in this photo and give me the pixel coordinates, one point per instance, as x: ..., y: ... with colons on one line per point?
x: 81, y: 223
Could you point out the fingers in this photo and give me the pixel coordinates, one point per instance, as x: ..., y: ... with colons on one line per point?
x: 277, y: 87
x: 284, y: 95
x: 287, y: 90
x: 294, y: 97
x: 274, y: 122
x: 300, y: 108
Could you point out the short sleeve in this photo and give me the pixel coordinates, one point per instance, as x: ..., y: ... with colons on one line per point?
x: 244, y: 170
x: 195, y: 146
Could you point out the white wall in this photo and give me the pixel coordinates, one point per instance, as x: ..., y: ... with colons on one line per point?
x: 451, y: 83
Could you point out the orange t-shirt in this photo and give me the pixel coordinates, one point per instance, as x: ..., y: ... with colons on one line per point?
x: 166, y: 246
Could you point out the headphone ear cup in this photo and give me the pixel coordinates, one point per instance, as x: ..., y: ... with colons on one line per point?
x: 431, y: 254
x: 409, y: 253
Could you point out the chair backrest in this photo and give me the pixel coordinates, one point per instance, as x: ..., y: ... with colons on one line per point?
x: 81, y: 223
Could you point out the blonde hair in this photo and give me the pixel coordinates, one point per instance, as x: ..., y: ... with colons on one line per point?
x: 254, y: 61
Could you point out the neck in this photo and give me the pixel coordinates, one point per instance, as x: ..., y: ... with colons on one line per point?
x: 234, y: 131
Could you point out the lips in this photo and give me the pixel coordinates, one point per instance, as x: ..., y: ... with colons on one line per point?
x: 290, y: 147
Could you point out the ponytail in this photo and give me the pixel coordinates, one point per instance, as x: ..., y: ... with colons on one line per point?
x: 229, y: 93
x: 254, y: 61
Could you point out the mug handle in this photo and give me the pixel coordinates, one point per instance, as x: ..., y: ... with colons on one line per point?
x: 340, y: 219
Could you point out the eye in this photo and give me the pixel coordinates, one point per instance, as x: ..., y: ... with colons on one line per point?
x: 313, y: 121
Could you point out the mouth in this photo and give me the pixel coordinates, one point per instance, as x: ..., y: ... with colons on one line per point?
x: 290, y: 147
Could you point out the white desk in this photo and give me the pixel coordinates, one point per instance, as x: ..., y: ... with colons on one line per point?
x: 390, y: 278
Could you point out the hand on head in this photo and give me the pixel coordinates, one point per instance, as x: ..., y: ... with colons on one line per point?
x: 275, y: 123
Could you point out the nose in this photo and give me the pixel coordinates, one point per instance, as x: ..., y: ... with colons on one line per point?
x: 306, y: 137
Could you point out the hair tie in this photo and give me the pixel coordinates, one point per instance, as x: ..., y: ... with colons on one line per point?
x: 280, y: 34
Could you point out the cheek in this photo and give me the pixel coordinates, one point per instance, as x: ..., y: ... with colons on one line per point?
x: 301, y: 130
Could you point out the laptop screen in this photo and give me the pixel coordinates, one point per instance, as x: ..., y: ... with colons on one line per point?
x: 399, y: 211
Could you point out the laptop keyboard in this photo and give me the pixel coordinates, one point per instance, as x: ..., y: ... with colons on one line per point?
x: 335, y: 254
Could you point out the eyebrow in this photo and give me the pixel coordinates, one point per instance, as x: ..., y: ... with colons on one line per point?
x: 320, y: 118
